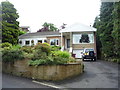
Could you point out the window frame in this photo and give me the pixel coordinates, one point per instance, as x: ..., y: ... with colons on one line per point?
x: 90, y: 38
x: 26, y: 42
x: 56, y: 41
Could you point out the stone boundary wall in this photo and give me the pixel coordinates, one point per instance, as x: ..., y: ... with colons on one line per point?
x: 42, y: 72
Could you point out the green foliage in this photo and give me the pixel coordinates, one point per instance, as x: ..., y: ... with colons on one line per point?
x: 50, y: 26
x: 46, y: 44
x: 48, y: 61
x: 62, y: 54
x: 28, y: 55
x: 43, y: 48
x: 108, y: 30
x: 116, y: 29
x: 16, y: 47
x: 55, y: 48
x: 6, y: 44
x: 21, y: 32
x: 38, y: 54
x: 10, y: 26
x: 27, y: 49
x: 44, y: 55
x: 12, y: 55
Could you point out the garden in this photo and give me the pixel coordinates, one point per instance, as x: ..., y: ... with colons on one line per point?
x: 41, y: 61
x: 37, y: 55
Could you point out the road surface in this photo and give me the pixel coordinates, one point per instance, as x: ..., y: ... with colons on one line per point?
x: 99, y: 74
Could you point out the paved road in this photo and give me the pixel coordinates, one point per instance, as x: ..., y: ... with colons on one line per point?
x: 99, y: 74
x: 10, y: 81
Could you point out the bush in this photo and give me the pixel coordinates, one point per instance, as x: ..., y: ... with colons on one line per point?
x: 28, y: 55
x: 6, y: 44
x: 46, y: 44
x: 62, y: 54
x: 43, y: 48
x: 27, y: 49
x: 16, y: 47
x: 12, y: 55
x: 48, y: 61
x: 38, y: 54
x: 36, y: 62
x: 55, y: 48
x: 71, y: 59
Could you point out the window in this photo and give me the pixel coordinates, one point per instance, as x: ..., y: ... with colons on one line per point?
x: 68, y: 43
x: 40, y: 41
x: 54, y: 42
x: 45, y: 41
x: 32, y: 41
x: 20, y: 42
x: 27, y: 42
x: 83, y: 38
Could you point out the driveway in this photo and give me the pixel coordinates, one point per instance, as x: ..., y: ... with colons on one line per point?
x: 99, y: 74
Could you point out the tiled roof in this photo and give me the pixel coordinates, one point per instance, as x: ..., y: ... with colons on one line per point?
x: 39, y: 34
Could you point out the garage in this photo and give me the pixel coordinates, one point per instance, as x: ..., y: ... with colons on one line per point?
x: 78, y: 53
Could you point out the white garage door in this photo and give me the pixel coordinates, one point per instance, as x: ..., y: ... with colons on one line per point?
x: 78, y: 53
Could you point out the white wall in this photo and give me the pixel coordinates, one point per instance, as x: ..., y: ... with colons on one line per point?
x: 30, y: 39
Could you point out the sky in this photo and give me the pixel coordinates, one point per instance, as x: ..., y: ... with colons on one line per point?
x: 34, y: 13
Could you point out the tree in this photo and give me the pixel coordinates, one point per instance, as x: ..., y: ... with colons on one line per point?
x: 48, y: 27
x: 97, y: 25
x: 10, y: 27
x: 108, y: 30
x: 63, y: 26
x: 116, y: 29
x: 22, y: 32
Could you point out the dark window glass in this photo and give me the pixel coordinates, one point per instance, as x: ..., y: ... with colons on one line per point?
x: 45, y: 41
x: 20, y: 42
x: 27, y: 42
x: 68, y: 43
x: 40, y: 41
x: 57, y: 42
x: 84, y: 38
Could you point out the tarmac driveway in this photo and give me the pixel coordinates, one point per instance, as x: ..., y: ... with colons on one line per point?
x: 99, y: 74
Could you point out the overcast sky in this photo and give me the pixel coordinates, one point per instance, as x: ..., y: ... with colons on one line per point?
x: 34, y: 13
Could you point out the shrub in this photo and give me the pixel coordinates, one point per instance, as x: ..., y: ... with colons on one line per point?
x: 55, y: 48
x: 6, y: 44
x: 71, y: 59
x: 62, y: 54
x: 43, y: 48
x: 12, y: 55
x: 48, y: 61
x: 27, y: 49
x: 16, y: 47
x: 36, y: 62
x: 38, y: 54
x: 28, y: 55
x: 46, y: 44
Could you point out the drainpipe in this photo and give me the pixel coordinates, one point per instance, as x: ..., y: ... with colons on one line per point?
x: 61, y: 41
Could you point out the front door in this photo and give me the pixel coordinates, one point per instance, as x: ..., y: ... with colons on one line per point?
x: 68, y: 43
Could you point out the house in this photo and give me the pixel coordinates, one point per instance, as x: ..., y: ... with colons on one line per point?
x: 73, y: 38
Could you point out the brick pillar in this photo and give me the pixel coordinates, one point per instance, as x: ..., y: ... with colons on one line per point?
x: 71, y: 42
